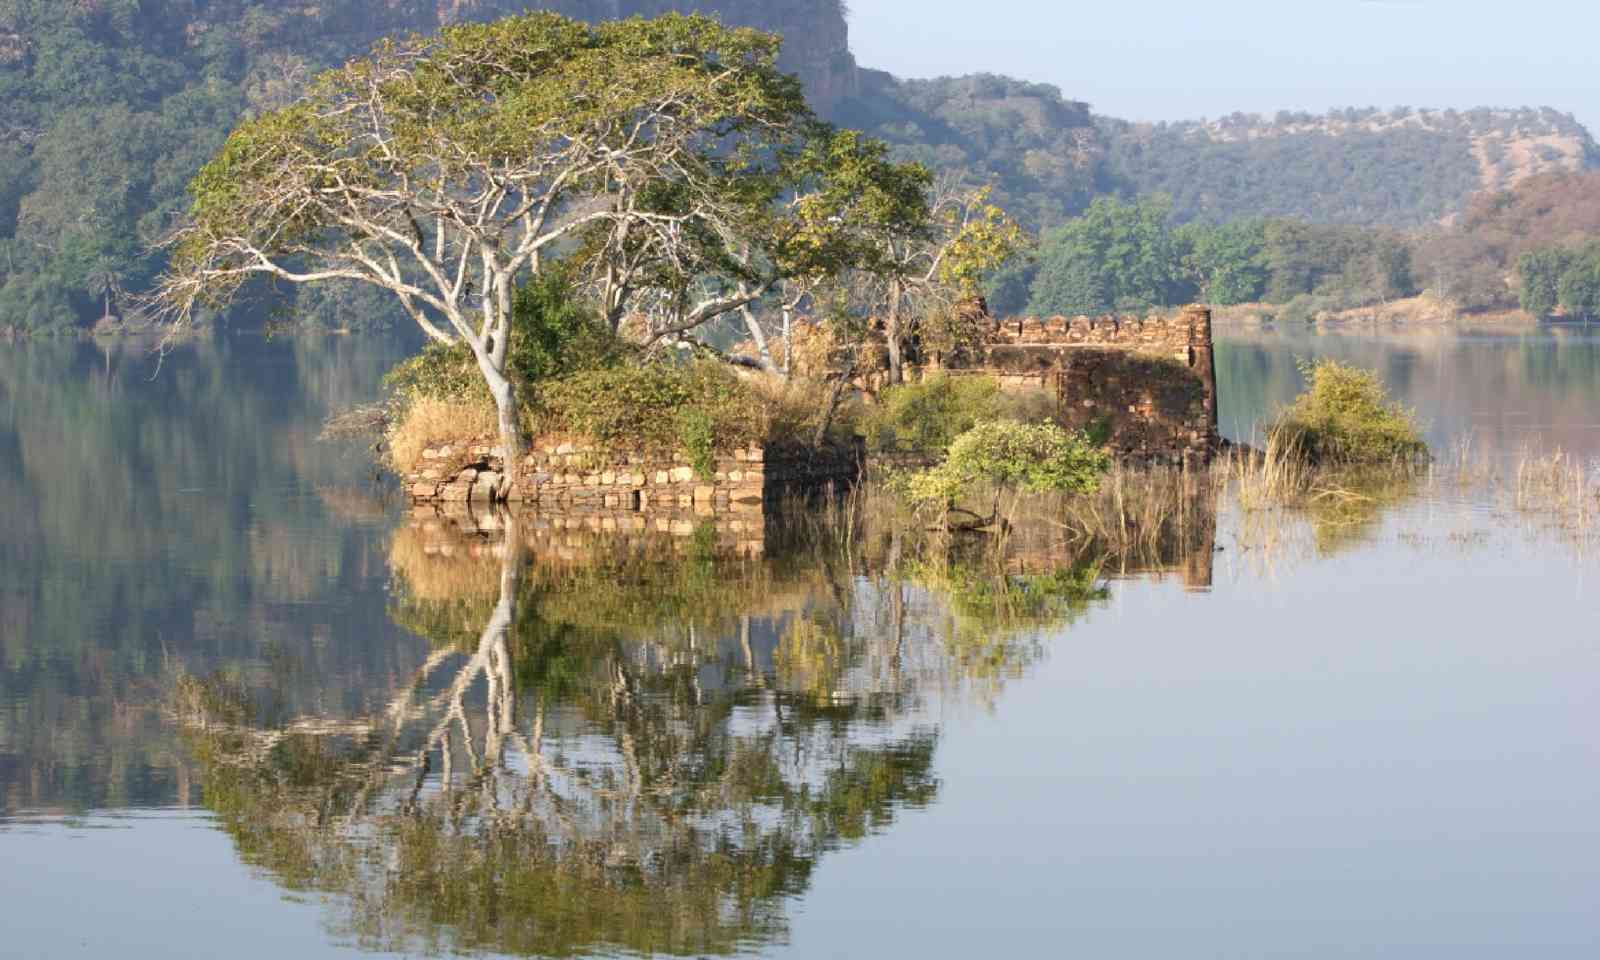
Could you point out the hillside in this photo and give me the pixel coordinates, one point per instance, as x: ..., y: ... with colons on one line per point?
x: 1474, y: 263
x: 108, y: 107
x: 1404, y: 168
x: 1041, y: 151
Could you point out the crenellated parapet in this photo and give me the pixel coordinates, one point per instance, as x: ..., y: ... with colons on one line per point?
x: 1147, y: 385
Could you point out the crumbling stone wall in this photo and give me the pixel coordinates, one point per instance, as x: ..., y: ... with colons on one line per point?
x: 568, y: 475
x: 1147, y: 387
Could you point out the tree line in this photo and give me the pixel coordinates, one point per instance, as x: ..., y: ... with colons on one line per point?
x: 1133, y: 255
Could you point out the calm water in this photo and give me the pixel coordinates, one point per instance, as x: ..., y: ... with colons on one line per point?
x: 248, y: 708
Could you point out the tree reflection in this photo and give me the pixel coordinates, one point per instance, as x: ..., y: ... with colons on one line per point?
x: 621, y: 742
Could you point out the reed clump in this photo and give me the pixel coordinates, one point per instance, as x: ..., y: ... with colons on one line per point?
x: 1346, y: 418
x: 1143, y: 516
x: 1558, y: 485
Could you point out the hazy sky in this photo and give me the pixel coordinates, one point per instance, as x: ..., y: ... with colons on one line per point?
x: 1183, y: 59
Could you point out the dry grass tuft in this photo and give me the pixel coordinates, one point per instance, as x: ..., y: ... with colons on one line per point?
x: 428, y: 421
x: 1559, y: 486
x: 1277, y: 476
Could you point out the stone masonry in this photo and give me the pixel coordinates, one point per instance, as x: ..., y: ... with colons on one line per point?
x: 1148, y: 387
x: 570, y: 475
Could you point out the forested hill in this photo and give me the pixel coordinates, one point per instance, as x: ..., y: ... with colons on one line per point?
x: 1042, y: 152
x: 1400, y: 168
x: 108, y: 107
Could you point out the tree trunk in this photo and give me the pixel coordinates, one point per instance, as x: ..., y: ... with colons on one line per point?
x: 758, y: 337
x: 788, y: 342
x: 891, y: 333
x: 505, y: 402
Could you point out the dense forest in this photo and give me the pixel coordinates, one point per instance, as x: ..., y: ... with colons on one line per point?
x: 108, y: 108
x: 1401, y: 168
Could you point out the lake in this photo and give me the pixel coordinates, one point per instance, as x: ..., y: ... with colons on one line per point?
x: 251, y: 706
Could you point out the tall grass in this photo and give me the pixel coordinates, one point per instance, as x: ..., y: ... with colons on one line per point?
x: 431, y: 420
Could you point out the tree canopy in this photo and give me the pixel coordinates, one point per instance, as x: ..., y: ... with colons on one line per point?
x: 668, y: 160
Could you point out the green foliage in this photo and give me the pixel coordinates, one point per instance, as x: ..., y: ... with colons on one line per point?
x: 1346, y: 417
x: 110, y: 107
x: 1579, y: 289
x: 1128, y: 256
x: 1560, y: 276
x: 926, y: 417
x: 1349, y: 265
x: 1037, y: 458
x: 654, y: 404
x: 697, y: 433
x: 1117, y: 256
x: 1539, y: 274
x: 554, y: 332
x: 1228, y: 263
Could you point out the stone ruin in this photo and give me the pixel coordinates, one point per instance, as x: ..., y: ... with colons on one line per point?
x: 1147, y: 386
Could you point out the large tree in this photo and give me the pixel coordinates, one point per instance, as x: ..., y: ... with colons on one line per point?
x: 1117, y: 256
x: 443, y: 170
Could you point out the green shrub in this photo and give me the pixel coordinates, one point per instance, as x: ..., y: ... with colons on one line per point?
x: 926, y: 417
x: 1346, y: 417
x: 1038, y: 458
x: 553, y: 333
x: 700, y: 405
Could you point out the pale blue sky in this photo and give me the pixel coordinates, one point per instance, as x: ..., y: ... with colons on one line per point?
x: 1182, y: 59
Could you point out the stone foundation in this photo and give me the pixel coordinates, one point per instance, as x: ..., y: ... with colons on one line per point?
x: 563, y: 475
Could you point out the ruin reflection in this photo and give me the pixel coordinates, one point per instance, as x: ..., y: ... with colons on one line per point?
x: 622, y: 740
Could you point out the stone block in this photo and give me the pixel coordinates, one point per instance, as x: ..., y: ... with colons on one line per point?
x: 425, y: 490
x: 682, y: 474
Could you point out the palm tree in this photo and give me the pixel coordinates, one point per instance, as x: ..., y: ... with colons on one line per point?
x: 104, y: 280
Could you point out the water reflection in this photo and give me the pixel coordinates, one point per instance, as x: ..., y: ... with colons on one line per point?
x: 1508, y: 392
x: 155, y: 509
x: 623, y: 739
